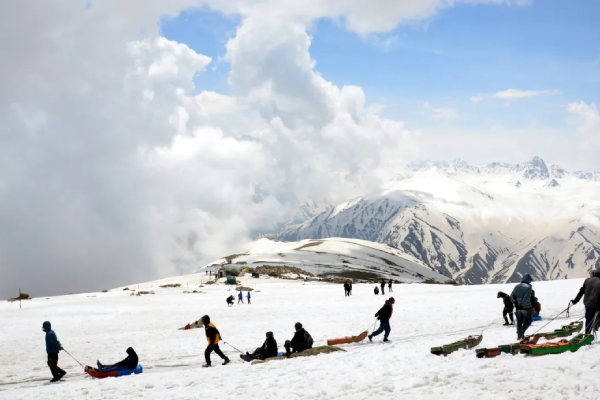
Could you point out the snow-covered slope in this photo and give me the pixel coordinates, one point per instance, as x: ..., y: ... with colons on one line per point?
x: 94, y: 326
x: 336, y: 257
x: 478, y: 225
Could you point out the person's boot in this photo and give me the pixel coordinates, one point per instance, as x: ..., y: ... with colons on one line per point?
x: 226, y: 361
x: 206, y: 365
x: 386, y: 339
x: 370, y: 338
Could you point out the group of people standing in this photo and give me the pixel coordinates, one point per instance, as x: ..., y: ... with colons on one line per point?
x: 526, y: 305
x: 240, y: 297
x: 382, y: 285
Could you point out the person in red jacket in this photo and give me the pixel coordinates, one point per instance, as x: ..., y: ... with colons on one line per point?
x: 383, y: 315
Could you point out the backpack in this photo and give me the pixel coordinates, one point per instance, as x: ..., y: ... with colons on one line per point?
x: 308, y: 340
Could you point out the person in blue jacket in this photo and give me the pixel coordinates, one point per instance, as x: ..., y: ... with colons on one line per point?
x: 522, y: 297
x: 248, y: 296
x: 53, y: 347
x: 240, y: 297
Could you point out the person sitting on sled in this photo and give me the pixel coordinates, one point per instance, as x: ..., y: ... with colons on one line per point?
x: 508, y: 308
x: 268, y: 349
x: 300, y: 342
x: 129, y: 362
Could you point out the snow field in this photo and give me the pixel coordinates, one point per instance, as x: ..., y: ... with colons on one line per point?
x: 102, y: 325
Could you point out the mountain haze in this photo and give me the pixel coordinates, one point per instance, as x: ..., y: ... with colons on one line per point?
x: 488, y: 224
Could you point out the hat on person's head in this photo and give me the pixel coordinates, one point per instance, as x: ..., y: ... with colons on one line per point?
x: 392, y: 300
x: 298, y: 325
x: 205, y: 319
x: 46, y: 325
x: 130, y: 350
x: 269, y: 334
x: 527, y: 278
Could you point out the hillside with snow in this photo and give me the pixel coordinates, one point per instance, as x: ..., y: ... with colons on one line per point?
x: 334, y: 257
x: 100, y: 326
x: 477, y: 224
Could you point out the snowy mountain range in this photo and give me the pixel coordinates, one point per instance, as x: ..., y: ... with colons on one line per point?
x: 488, y: 224
x: 335, y: 257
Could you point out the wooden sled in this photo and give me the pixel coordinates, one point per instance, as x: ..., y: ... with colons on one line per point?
x: 348, y: 339
x: 469, y: 342
x: 516, y: 348
x: 306, y: 353
x: 558, y: 347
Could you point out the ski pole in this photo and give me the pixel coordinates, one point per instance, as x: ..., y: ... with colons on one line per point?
x: 568, y: 307
x: 233, y: 347
x: 73, y: 357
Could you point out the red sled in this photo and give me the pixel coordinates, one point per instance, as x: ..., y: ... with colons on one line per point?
x: 95, y: 373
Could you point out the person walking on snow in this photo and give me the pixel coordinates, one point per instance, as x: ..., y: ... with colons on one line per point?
x: 591, y: 300
x: 390, y: 286
x: 53, y: 347
x: 383, y: 315
x: 248, y: 296
x: 213, y: 337
x: 240, y: 297
x: 522, y: 297
x: 382, y: 286
x: 508, y: 308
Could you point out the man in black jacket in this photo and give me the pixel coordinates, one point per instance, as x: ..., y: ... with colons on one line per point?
x: 268, y: 349
x: 300, y: 342
x: 508, y: 308
x: 130, y: 362
x: 591, y: 300
x: 383, y: 315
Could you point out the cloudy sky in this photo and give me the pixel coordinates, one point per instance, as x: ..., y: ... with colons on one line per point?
x: 142, y: 139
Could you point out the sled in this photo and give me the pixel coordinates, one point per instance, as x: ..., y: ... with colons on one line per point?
x: 561, y: 346
x: 348, y: 339
x: 192, y: 325
x: 469, y: 342
x: 306, y: 353
x: 515, y: 348
x: 95, y: 373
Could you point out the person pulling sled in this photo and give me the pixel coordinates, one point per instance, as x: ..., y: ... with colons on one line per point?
x: 213, y: 336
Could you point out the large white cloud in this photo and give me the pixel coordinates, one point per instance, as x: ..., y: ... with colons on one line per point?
x: 113, y: 170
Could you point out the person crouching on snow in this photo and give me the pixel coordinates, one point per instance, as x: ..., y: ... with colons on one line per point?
x: 383, y: 315
x: 300, y: 342
x: 213, y: 337
x: 508, y: 308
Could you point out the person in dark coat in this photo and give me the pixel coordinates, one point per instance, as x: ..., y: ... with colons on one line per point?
x: 590, y: 291
x: 522, y: 297
x: 376, y: 290
x: 129, y: 362
x: 382, y: 286
x: 300, y: 342
x: 508, y: 308
x: 346, y: 289
x: 213, y: 336
x: 383, y: 315
x: 390, y: 286
x: 268, y: 349
x: 230, y: 300
x: 53, y: 347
